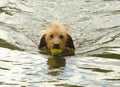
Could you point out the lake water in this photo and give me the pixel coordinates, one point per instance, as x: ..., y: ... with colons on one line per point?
x: 94, y: 26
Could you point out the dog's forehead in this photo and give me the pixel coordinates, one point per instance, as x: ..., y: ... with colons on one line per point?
x: 56, y: 32
x: 56, y: 28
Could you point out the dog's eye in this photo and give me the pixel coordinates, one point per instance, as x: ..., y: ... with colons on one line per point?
x: 61, y: 36
x: 51, y: 36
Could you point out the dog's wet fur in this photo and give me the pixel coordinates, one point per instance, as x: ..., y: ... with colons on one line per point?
x: 56, y: 37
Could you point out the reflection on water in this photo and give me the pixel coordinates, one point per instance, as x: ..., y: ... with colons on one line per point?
x: 94, y: 26
x: 98, y: 70
x: 5, y: 44
x: 56, y: 62
x: 108, y: 55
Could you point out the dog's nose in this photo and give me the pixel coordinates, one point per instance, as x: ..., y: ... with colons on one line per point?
x: 56, y: 46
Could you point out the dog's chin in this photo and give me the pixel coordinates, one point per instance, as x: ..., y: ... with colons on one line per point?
x: 58, y: 48
x: 55, y: 48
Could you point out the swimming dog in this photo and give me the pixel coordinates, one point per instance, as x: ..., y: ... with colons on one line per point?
x: 56, y: 36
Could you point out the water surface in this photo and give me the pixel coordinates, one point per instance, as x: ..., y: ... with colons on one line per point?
x: 94, y: 26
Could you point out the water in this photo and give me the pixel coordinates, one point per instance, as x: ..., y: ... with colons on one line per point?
x: 94, y: 26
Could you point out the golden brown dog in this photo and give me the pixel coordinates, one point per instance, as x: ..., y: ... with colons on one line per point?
x: 56, y: 37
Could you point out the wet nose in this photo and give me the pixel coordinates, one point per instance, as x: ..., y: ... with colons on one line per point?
x: 56, y: 46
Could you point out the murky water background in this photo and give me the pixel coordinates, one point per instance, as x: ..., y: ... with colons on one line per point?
x: 94, y: 26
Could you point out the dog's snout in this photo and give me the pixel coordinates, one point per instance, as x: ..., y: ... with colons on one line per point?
x: 56, y: 46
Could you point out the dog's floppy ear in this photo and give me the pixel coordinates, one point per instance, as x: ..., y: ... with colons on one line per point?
x: 42, y: 42
x: 69, y: 42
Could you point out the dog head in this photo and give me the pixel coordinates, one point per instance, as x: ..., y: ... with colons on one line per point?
x: 56, y: 36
